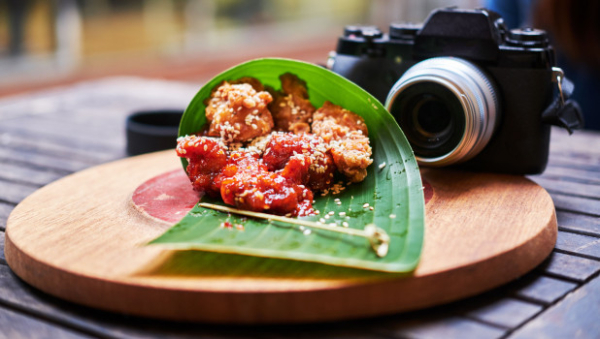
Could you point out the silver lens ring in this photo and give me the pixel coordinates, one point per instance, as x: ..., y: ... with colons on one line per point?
x: 477, y: 97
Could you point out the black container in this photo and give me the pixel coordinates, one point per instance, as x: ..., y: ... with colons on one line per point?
x: 150, y: 131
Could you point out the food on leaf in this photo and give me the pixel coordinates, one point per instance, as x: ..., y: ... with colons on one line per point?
x: 391, y: 189
x: 277, y: 172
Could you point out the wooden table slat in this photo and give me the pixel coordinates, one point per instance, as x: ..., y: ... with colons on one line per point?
x: 575, y: 317
x: 578, y: 223
x: 564, y: 160
x: 66, y: 137
x: 24, y: 144
x: 16, y: 325
x: 570, y: 267
x: 507, y: 312
x: 2, y: 258
x: 41, y: 160
x: 576, y: 204
x: 580, y: 244
x: 28, y: 175
x: 5, y: 210
x: 447, y: 327
x: 584, y: 175
x: 13, y: 193
x: 569, y: 187
x: 581, y: 142
x: 541, y: 289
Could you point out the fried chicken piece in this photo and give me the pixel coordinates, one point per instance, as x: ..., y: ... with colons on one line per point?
x: 283, y: 147
x: 206, y: 159
x: 290, y: 108
x: 238, y: 112
x: 352, y: 155
x: 248, y: 184
x: 332, y: 122
x: 346, y: 133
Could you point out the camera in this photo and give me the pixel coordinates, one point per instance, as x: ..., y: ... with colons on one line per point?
x: 465, y: 90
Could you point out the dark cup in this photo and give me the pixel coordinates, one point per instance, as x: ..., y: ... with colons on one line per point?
x: 150, y: 131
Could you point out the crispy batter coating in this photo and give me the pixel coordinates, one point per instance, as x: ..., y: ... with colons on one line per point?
x: 290, y: 107
x: 255, y: 83
x: 352, y: 155
x: 238, y: 112
x: 332, y: 122
x: 346, y: 134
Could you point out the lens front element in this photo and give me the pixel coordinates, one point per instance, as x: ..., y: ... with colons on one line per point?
x: 447, y: 108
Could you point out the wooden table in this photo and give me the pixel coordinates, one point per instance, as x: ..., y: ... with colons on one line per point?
x: 47, y: 135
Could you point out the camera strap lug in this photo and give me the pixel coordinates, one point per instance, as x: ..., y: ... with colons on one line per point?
x: 563, y: 112
x: 557, y: 76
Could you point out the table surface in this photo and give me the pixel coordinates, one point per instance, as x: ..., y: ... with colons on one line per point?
x: 49, y: 134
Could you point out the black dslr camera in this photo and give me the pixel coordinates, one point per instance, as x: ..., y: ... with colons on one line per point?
x: 464, y: 89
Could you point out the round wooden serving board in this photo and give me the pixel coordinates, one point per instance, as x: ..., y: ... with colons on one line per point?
x: 81, y: 239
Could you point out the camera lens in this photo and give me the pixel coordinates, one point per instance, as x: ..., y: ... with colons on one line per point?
x: 447, y: 108
x: 432, y: 118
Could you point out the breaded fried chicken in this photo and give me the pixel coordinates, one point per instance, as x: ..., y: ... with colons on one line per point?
x: 238, y: 112
x: 290, y: 108
x: 206, y: 159
x: 282, y: 147
x: 347, y: 136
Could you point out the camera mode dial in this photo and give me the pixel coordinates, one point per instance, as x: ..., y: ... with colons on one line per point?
x: 368, y: 32
x: 527, y: 37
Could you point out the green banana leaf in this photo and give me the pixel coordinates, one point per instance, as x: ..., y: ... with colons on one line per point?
x: 394, y: 190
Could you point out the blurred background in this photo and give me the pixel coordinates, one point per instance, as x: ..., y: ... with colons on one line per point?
x: 46, y: 43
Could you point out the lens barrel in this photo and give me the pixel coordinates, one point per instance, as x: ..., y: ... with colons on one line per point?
x: 447, y: 108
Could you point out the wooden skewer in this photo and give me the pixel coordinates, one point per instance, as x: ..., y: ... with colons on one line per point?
x: 378, y: 238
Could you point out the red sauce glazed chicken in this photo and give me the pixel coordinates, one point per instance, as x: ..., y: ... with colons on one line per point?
x: 253, y: 168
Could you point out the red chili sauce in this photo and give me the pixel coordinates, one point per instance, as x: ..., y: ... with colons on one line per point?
x: 279, y: 182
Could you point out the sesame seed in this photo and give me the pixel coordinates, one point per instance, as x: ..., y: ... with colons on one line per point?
x: 342, y: 214
x: 381, y: 166
x: 392, y: 216
x: 366, y: 205
x: 345, y: 224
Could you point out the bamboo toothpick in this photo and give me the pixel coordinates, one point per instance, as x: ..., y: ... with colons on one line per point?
x: 378, y: 238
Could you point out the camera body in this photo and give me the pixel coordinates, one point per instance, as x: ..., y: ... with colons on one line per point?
x: 514, y: 68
